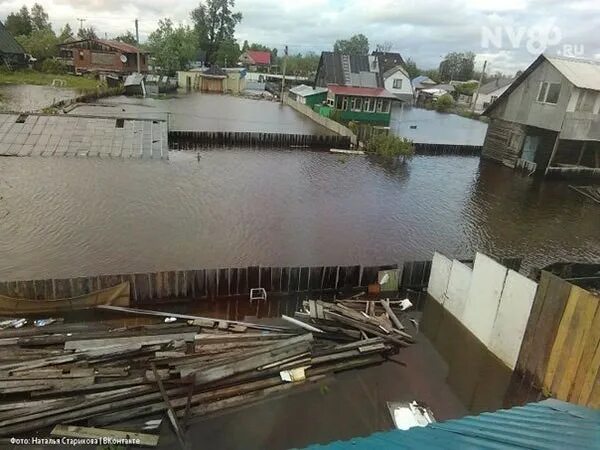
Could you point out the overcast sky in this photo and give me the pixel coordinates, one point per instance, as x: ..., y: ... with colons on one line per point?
x: 423, y: 30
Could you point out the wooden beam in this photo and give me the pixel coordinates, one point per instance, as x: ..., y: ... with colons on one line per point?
x: 170, y: 412
x: 391, y: 314
x: 583, y: 147
x: 553, y: 154
x: 146, y: 440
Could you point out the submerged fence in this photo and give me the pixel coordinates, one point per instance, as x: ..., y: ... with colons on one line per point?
x: 226, y: 282
x: 190, y: 140
x: 446, y: 149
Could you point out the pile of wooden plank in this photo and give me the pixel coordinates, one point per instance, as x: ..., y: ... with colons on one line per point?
x: 98, y: 377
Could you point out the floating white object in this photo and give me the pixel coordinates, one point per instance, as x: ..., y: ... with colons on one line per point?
x: 170, y: 319
x: 258, y: 294
x: 346, y: 152
x: 409, y: 415
x: 292, y: 375
x: 405, y: 304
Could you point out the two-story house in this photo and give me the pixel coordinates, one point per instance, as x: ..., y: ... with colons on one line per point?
x: 548, y: 119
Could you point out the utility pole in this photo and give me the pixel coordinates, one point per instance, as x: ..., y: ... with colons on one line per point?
x: 285, y: 55
x: 478, y: 87
x: 81, y: 23
x: 137, y: 39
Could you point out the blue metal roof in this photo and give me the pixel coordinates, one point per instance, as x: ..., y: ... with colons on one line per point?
x: 549, y: 424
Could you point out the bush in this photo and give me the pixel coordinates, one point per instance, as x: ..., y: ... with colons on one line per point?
x: 444, y: 103
x: 54, y: 66
x: 390, y: 147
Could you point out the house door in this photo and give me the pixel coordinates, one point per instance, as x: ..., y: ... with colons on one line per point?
x: 529, y: 148
x: 188, y: 83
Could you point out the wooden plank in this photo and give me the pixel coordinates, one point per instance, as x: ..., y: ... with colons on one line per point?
x: 265, y: 278
x: 170, y: 412
x: 304, y: 279
x: 93, y: 344
x: 585, y: 365
x: 131, y: 438
x: 253, y: 277
x: 573, y: 332
x: 294, y: 280
x: 223, y: 279
x: 316, y: 278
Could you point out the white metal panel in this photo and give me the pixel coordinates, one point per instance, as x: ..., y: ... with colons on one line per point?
x: 458, y: 289
x: 583, y: 73
x: 438, y: 280
x: 483, y: 299
x: 511, y: 319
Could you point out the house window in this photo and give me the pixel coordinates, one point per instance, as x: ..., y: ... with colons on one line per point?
x: 356, y: 103
x: 493, y: 98
x: 586, y: 101
x: 379, y: 105
x: 385, y: 106
x: 330, y: 102
x: 372, y: 104
x: 81, y: 56
x: 549, y: 92
x: 344, y: 103
x: 338, y: 102
x: 398, y: 83
x: 366, y: 104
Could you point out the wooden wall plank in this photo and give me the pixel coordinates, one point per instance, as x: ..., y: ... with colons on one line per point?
x: 304, y: 279
x: 316, y: 277
x: 276, y: 279
x: 265, y: 278
x: 587, y: 356
x: 223, y: 282
x: 285, y: 279
x: 253, y: 277
x: 294, y: 285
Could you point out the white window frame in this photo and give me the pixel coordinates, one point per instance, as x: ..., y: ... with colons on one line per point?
x: 366, y: 104
x: 379, y: 105
x: 545, y: 89
x: 397, y: 83
x: 356, y: 104
x: 344, y: 103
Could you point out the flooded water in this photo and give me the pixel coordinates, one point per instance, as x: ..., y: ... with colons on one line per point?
x: 431, y: 127
x: 29, y: 98
x: 212, y: 112
x: 63, y: 217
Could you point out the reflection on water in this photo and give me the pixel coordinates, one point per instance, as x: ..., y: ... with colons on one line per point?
x: 32, y: 98
x: 234, y: 208
x: 212, y: 112
x: 431, y: 127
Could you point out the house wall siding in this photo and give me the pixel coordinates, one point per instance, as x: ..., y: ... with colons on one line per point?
x: 405, y: 91
x: 521, y: 105
x: 86, y: 59
x: 504, y: 141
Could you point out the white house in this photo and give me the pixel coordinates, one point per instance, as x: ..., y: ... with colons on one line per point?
x: 397, y: 82
x: 491, y: 91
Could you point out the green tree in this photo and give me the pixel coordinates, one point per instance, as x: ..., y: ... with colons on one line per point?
x: 444, y: 103
x: 356, y: 45
x: 127, y: 37
x: 411, y: 68
x: 65, y: 34
x: 302, y: 65
x: 87, y: 33
x: 39, y: 18
x: 214, y: 25
x: 41, y: 44
x: 433, y: 74
x: 228, y: 53
x: 19, y: 23
x: 173, y: 48
x: 457, y: 66
x: 245, y: 47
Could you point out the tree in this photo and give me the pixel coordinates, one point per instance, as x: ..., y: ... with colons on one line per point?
x: 245, y: 47
x: 87, y: 33
x: 214, y: 25
x: 173, y: 48
x: 39, y: 18
x: 128, y: 37
x: 228, y: 53
x: 384, y: 47
x: 65, y: 34
x: 444, y: 103
x: 411, y: 68
x: 356, y: 45
x: 432, y: 74
x: 302, y: 65
x: 457, y: 66
x: 19, y: 23
x: 41, y: 44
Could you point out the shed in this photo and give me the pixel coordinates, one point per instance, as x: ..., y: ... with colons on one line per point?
x: 308, y: 95
x: 549, y: 424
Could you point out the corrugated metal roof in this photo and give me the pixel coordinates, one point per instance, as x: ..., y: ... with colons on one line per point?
x: 304, y: 91
x: 583, y: 73
x: 8, y: 44
x: 549, y: 424
x: 360, y: 91
x: 331, y: 71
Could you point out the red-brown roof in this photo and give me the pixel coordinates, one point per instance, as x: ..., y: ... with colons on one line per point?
x: 260, y: 57
x: 360, y: 91
x: 121, y: 46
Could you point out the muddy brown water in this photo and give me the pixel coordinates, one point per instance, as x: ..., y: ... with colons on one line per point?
x: 65, y: 217
x: 25, y: 97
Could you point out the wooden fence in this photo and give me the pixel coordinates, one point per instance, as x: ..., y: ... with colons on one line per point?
x: 446, y: 149
x: 560, y: 353
x: 190, y: 140
x: 217, y: 283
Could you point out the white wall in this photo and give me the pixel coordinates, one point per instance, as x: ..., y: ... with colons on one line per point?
x: 438, y: 280
x: 511, y: 318
x: 487, y: 98
x: 458, y: 288
x: 483, y: 298
x: 406, y: 85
